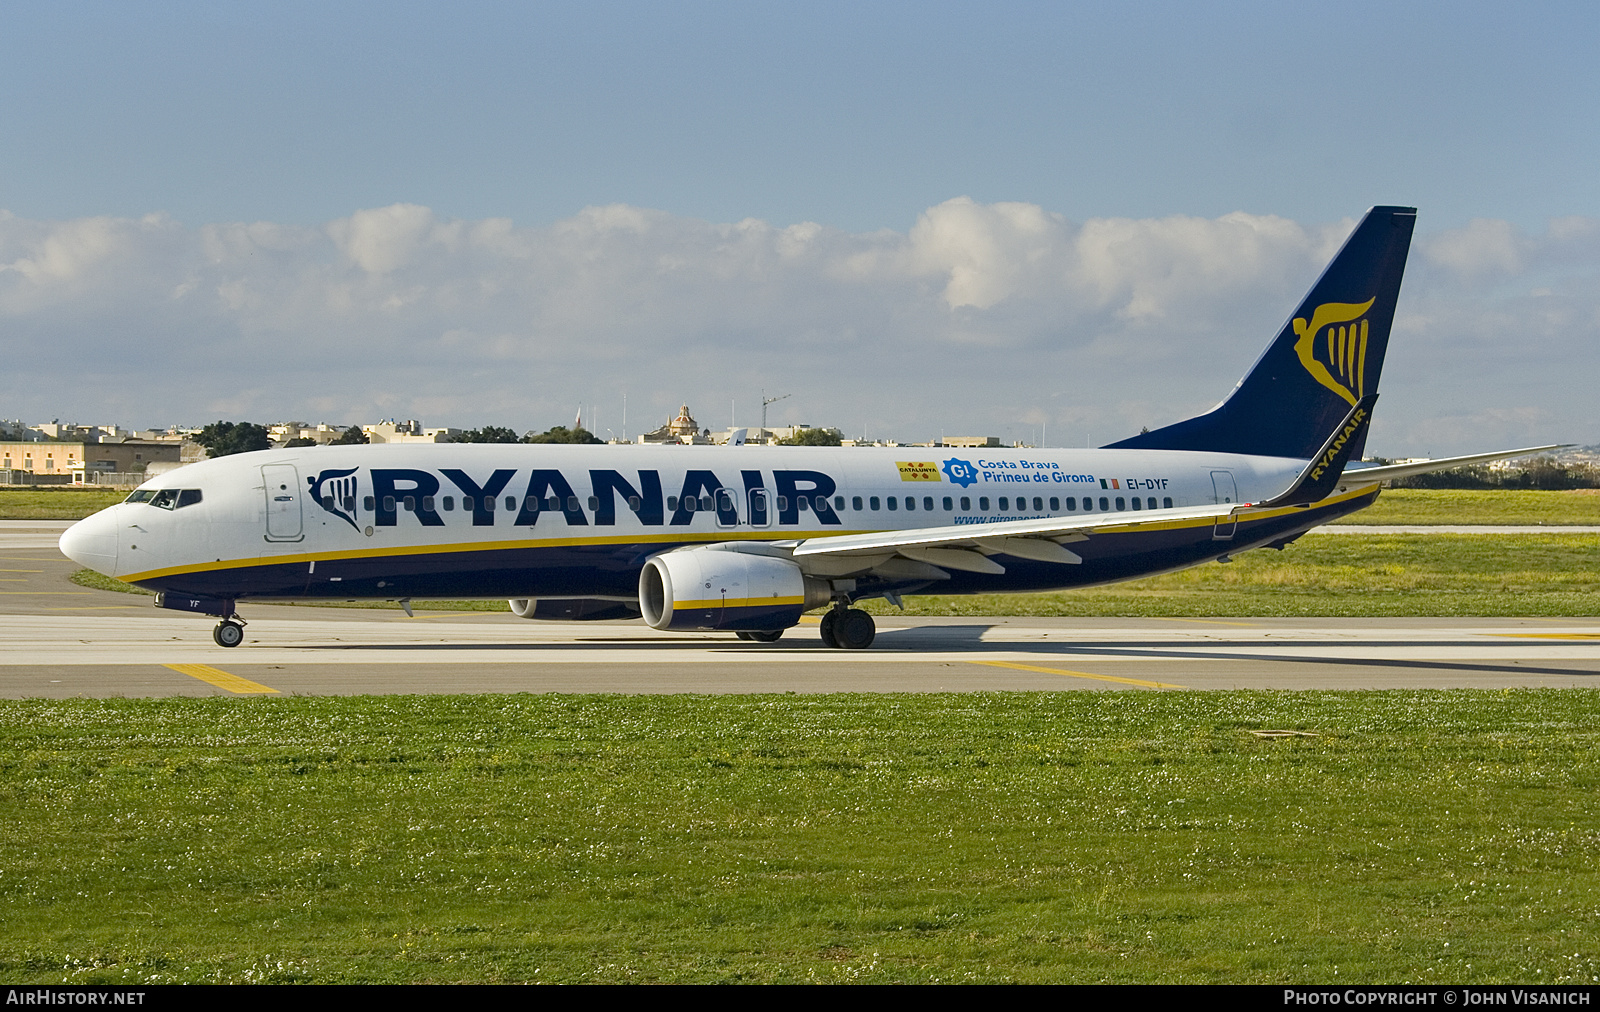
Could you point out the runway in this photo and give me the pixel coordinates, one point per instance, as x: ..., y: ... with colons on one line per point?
x: 60, y: 640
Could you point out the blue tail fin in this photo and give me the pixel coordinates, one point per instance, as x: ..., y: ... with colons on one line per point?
x: 1324, y: 361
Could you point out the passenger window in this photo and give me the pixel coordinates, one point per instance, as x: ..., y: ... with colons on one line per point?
x: 724, y: 500
x: 855, y: 503
x: 705, y: 503
x: 911, y: 503
x: 894, y: 503
x: 1166, y: 503
x: 350, y: 503
x: 1072, y: 503
x: 1004, y: 504
x: 874, y: 502
x: 804, y: 502
x: 427, y: 504
x: 551, y: 503
x: 783, y: 503
x: 469, y: 503
x: 368, y: 504
x: 1120, y: 505
x: 1135, y: 502
x: 1038, y: 504
x: 411, y: 504
x: 672, y: 503
x: 949, y: 504
x: 488, y: 503
x: 634, y: 502
x: 1105, y: 504
x: 594, y: 503
x: 188, y: 497
x: 388, y: 504
x: 983, y: 503
x: 927, y: 503
x: 1055, y: 504
x: 1151, y: 502
x: 449, y: 504
x: 966, y: 504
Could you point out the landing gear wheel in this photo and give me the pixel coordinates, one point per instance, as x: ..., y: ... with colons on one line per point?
x: 854, y: 630
x: 764, y: 635
x: 830, y: 625
x: 743, y: 635
x: 228, y: 634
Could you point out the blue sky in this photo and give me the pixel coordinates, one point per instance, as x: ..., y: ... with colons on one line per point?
x: 445, y: 200
x: 856, y: 115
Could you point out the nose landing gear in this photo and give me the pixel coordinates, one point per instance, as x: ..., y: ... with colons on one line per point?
x: 229, y: 632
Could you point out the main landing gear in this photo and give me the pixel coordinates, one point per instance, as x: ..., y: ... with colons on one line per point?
x: 229, y: 632
x: 848, y: 628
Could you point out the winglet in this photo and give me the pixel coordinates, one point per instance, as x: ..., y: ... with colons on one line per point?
x: 1322, y: 475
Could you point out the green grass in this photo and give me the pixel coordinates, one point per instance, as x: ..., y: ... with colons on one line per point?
x: 58, y: 503
x: 1493, y: 506
x: 1083, y: 836
x: 1357, y: 575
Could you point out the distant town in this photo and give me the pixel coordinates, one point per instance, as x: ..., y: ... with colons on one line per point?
x: 62, y: 453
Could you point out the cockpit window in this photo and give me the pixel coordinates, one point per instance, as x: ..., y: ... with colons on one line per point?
x: 167, y: 498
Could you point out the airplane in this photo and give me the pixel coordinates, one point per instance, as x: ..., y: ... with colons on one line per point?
x: 747, y: 539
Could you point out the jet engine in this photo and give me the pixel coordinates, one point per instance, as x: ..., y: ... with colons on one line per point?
x: 735, y: 587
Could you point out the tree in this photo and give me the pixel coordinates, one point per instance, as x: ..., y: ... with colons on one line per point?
x: 350, y: 437
x: 487, y: 434
x: 300, y: 441
x: 562, y: 434
x: 813, y: 437
x: 223, y: 438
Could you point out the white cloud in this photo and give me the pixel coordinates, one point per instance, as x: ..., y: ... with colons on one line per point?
x: 982, y: 318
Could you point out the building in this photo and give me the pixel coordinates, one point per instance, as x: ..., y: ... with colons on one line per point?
x: 408, y: 431
x: 682, y: 429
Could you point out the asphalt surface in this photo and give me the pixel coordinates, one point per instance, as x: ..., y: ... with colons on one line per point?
x: 60, y: 640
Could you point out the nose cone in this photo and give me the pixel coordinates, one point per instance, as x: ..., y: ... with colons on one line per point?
x: 92, y: 542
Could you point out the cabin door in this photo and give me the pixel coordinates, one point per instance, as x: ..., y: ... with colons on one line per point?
x: 1227, y: 491
x: 284, y: 519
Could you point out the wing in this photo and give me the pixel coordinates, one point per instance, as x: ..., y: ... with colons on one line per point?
x: 967, y: 547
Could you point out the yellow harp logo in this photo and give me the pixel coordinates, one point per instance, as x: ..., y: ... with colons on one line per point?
x: 1333, y: 347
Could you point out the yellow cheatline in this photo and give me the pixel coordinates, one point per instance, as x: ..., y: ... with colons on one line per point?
x: 1549, y: 636
x: 1082, y: 674
x: 221, y: 679
x: 736, y: 602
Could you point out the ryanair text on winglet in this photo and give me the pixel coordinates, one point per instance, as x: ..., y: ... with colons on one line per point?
x: 1351, y: 427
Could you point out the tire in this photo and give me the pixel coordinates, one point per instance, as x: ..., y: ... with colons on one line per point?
x: 228, y: 634
x: 744, y: 635
x: 764, y: 635
x: 830, y: 622
x: 855, y: 630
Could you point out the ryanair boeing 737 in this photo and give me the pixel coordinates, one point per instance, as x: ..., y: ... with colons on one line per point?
x: 747, y: 539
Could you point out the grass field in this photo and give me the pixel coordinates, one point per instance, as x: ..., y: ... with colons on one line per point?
x: 1358, y: 575
x: 1083, y: 836
x: 47, y: 503
x: 1495, y: 506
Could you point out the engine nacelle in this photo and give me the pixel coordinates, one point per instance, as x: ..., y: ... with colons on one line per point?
x: 572, y: 609
x: 726, y: 587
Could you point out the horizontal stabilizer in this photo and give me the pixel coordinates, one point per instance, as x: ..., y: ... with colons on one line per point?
x: 1388, y: 472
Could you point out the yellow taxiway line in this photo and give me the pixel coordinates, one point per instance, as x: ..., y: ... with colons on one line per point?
x: 1082, y: 674
x: 221, y: 679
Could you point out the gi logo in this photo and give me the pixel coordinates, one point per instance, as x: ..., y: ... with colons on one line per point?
x: 339, y: 495
x: 960, y: 472
x: 1339, y: 360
